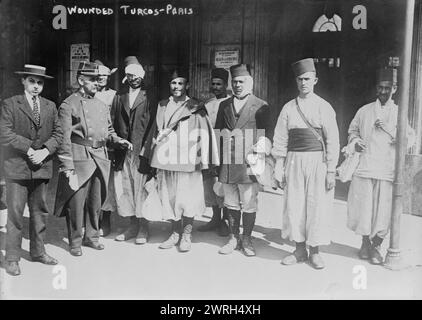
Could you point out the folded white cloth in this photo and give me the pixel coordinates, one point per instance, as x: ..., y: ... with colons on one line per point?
x: 261, y: 163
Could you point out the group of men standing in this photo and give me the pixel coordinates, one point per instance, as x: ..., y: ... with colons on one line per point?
x: 117, y: 150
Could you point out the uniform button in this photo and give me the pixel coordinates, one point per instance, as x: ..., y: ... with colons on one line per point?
x: 89, y: 138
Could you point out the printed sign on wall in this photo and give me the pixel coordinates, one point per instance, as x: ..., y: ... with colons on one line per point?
x: 78, y: 52
x: 226, y: 58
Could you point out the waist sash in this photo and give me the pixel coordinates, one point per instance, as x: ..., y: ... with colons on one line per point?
x: 303, y: 140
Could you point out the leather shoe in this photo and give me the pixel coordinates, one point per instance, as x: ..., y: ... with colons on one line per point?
x: 12, y: 268
x: 77, y: 252
x: 45, y: 259
x: 296, y: 257
x: 93, y: 245
x: 316, y: 261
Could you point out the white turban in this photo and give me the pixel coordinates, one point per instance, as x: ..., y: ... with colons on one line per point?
x: 135, y: 69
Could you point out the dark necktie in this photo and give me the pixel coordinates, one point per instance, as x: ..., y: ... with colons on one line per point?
x: 36, y: 110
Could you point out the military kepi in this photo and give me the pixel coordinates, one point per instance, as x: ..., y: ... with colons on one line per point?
x: 387, y: 74
x: 220, y: 73
x: 303, y: 66
x: 239, y: 70
x: 88, y: 68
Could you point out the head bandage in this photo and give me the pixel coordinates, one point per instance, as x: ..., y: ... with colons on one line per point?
x: 136, y: 70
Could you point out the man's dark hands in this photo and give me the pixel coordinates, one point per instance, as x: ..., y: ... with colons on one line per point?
x: 214, y: 171
x: 151, y: 174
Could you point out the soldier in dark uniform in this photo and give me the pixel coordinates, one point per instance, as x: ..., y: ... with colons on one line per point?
x: 84, y: 164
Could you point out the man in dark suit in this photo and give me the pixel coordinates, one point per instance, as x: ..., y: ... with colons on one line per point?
x: 84, y: 164
x: 30, y: 134
x: 130, y: 114
x: 242, y: 120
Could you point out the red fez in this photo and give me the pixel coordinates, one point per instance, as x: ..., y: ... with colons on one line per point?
x: 303, y: 66
x: 387, y: 74
x: 239, y: 70
x: 220, y: 73
x: 180, y: 73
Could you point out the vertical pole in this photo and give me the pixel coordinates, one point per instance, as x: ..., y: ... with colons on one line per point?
x: 242, y: 35
x: 393, y: 259
x: 116, y: 43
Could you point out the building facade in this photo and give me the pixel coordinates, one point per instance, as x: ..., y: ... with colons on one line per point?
x: 349, y: 40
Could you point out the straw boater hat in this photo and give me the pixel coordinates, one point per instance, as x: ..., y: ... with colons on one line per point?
x: 103, y: 70
x: 31, y: 69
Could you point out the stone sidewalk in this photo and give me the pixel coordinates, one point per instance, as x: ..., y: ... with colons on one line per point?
x: 128, y: 271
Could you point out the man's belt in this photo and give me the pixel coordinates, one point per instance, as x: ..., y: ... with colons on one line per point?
x: 88, y: 143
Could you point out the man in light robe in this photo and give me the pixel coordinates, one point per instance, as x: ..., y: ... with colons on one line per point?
x: 219, y: 78
x: 306, y: 166
x: 369, y: 203
x: 180, y: 145
x: 130, y: 114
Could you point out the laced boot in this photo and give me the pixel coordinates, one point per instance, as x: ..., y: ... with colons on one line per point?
x: 248, y: 224
x: 186, y: 240
x: 174, y: 237
x: 234, y: 242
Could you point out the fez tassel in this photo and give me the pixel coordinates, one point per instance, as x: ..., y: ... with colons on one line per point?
x: 393, y: 259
